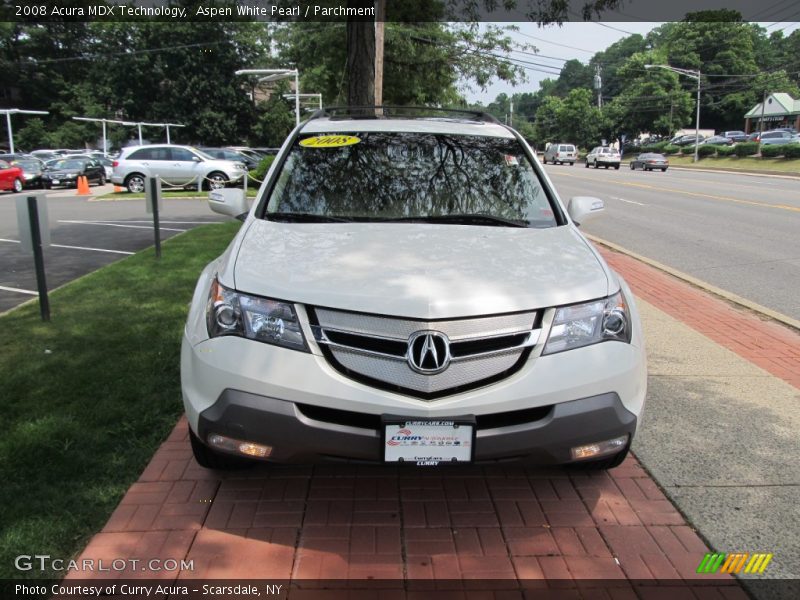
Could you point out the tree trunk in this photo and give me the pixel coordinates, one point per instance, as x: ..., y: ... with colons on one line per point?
x: 360, y: 58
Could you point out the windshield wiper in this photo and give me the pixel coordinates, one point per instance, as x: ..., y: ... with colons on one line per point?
x: 293, y: 217
x: 465, y: 219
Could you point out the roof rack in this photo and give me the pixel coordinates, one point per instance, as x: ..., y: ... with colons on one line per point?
x: 401, y: 112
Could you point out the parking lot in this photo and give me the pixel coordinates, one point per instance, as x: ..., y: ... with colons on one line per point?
x: 86, y: 234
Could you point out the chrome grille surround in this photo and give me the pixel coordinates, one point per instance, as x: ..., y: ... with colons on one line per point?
x: 376, y: 349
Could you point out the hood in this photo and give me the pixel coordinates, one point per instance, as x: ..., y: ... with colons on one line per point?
x: 64, y: 172
x: 424, y: 271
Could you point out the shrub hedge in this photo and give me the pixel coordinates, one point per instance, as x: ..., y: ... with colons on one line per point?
x: 772, y: 150
x: 707, y: 150
x: 671, y: 149
x: 791, y: 150
x: 746, y: 149
x: 726, y: 150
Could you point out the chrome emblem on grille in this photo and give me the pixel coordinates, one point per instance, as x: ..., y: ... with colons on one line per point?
x: 428, y: 352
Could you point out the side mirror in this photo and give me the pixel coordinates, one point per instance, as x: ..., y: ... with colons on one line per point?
x: 581, y: 208
x: 196, y: 159
x: 230, y: 202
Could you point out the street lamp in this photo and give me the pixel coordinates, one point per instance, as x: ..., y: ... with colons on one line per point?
x: 16, y: 111
x: 693, y: 75
x: 275, y: 75
x: 318, y: 97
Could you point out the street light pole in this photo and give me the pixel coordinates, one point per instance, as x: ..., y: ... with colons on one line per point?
x: 275, y: 75
x: 17, y: 111
x: 693, y: 75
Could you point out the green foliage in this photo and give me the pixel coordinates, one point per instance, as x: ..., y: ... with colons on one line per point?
x: 772, y: 150
x: 707, y: 150
x: 726, y: 150
x: 689, y: 150
x: 574, y: 119
x: 746, y: 149
x: 671, y: 149
x: 261, y: 170
x: 791, y: 151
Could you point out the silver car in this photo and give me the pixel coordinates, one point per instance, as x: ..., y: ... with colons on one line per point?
x: 559, y: 154
x: 176, y: 166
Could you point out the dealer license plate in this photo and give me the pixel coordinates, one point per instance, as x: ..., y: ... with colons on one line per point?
x: 428, y: 442
x: 56, y: 182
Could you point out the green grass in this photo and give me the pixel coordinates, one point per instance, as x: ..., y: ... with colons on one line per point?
x: 187, y: 193
x: 87, y: 398
x: 750, y: 163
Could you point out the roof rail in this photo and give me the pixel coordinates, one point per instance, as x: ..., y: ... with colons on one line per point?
x: 400, y: 112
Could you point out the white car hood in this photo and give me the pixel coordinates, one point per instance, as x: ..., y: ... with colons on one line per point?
x: 424, y: 271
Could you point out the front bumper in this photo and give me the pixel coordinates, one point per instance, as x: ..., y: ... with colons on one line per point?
x: 341, y: 436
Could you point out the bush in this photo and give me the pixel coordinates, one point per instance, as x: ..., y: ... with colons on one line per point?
x: 707, y: 150
x: 745, y: 149
x: 670, y: 149
x: 660, y: 147
x: 726, y: 150
x: 688, y: 150
x: 261, y: 170
x: 772, y: 150
x: 791, y: 150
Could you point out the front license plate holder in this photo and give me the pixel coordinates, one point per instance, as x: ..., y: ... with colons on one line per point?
x: 428, y: 442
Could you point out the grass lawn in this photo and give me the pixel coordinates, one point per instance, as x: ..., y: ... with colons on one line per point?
x: 87, y: 398
x: 750, y: 163
x: 187, y: 193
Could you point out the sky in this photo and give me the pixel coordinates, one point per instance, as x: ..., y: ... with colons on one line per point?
x: 584, y: 40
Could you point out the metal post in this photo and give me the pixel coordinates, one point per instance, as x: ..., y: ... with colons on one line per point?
x: 168, y: 134
x: 105, y: 141
x: 38, y: 257
x: 297, y: 96
x: 10, y: 133
x: 761, y: 123
x: 697, y: 122
x: 140, y: 133
x: 153, y: 193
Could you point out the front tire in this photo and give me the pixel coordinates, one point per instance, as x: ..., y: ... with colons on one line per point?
x: 135, y: 183
x: 209, y: 459
x: 616, y: 167
x: 18, y: 185
x: 587, y: 164
x: 217, y: 180
x: 596, y: 165
x: 632, y: 167
x: 101, y: 180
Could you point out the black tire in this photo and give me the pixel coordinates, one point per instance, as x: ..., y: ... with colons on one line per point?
x: 633, y: 168
x: 135, y: 183
x: 544, y: 160
x: 18, y: 186
x: 216, y: 181
x: 209, y: 459
x: 664, y: 170
x: 587, y: 164
x: 603, y: 464
x: 616, y: 167
x: 572, y: 163
x: 101, y: 180
x: 596, y: 166
x: 606, y: 167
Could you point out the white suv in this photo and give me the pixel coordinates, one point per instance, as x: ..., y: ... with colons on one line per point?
x: 176, y: 166
x: 410, y: 290
x: 602, y: 156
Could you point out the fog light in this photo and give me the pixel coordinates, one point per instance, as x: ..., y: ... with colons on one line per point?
x: 599, y: 448
x: 239, y: 447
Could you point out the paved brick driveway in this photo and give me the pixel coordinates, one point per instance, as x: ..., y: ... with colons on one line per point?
x: 444, y: 528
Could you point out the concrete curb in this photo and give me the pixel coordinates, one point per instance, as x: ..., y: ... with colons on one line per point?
x: 738, y: 172
x: 729, y: 296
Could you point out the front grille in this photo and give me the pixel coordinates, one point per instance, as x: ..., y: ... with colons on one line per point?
x: 376, y: 349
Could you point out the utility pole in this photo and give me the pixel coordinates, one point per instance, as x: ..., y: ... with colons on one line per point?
x: 763, y: 105
x: 512, y: 113
x: 598, y: 85
x: 380, y: 18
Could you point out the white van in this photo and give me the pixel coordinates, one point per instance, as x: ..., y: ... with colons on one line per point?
x: 561, y: 153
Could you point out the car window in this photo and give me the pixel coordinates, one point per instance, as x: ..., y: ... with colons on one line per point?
x: 182, y: 154
x: 395, y: 176
x: 4, y: 165
x: 143, y: 154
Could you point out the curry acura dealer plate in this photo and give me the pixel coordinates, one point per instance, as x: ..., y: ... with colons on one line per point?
x: 428, y: 442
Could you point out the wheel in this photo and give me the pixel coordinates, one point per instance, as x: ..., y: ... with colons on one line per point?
x: 135, y: 183
x: 664, y: 170
x: 18, y: 185
x: 603, y: 464
x: 586, y: 164
x: 544, y: 160
x: 208, y: 458
x: 605, y: 167
x: 616, y: 167
x: 632, y: 167
x: 217, y: 180
x: 596, y: 166
x: 572, y: 163
x: 101, y: 180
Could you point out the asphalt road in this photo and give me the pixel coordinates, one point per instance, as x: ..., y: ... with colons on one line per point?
x: 737, y: 232
x: 85, y: 235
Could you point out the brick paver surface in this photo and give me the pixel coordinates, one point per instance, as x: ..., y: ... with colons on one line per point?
x: 559, y: 526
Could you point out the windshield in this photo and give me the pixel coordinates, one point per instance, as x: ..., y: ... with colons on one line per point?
x: 382, y: 176
x: 69, y: 164
x: 28, y: 165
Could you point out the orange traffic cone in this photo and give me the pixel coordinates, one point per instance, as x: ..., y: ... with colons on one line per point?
x: 117, y: 189
x: 83, y: 186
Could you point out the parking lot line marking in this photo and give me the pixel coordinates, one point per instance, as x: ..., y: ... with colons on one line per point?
x: 92, y: 249
x: 18, y: 290
x: 12, y: 241
x: 697, y: 194
x: 628, y: 201
x: 119, y: 225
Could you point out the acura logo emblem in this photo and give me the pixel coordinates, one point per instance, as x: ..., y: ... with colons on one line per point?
x: 428, y: 352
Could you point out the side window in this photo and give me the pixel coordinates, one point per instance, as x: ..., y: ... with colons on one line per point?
x: 4, y: 164
x: 143, y: 154
x: 181, y: 154
x: 159, y: 153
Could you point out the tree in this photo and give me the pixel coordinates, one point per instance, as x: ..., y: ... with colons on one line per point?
x: 579, y: 120
x: 547, y: 126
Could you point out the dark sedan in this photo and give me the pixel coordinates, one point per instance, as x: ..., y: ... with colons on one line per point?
x: 649, y: 161
x: 32, y: 169
x: 234, y: 155
x: 685, y: 140
x: 717, y: 140
x: 65, y: 172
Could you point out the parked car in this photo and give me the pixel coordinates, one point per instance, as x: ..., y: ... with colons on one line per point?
x: 354, y: 317
x: 734, y: 136
x: 776, y: 136
x: 237, y: 156
x: 558, y: 154
x: 687, y: 140
x: 754, y: 137
x: 65, y: 172
x: 11, y: 178
x: 44, y: 155
x: 649, y: 161
x: 175, y: 165
x: 108, y: 164
x: 32, y: 169
x: 603, y: 156
x: 716, y: 140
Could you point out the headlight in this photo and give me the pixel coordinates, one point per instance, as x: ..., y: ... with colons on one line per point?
x: 261, y: 319
x: 589, y: 323
x: 72, y: 175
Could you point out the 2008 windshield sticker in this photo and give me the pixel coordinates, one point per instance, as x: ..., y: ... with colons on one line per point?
x: 329, y: 141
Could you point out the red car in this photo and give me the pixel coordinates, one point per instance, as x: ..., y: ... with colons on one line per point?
x: 11, y: 178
